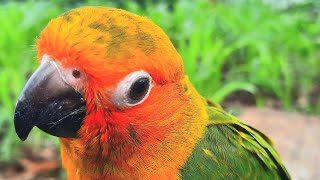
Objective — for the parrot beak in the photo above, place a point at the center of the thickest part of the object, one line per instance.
(49, 103)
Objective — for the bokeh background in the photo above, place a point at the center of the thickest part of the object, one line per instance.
(241, 53)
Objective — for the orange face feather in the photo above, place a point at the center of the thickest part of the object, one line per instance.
(107, 44)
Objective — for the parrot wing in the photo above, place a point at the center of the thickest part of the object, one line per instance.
(230, 149)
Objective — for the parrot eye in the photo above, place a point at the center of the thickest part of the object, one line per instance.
(138, 89)
(133, 89)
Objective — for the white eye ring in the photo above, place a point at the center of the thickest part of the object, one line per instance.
(132, 90)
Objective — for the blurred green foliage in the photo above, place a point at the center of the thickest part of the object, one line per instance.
(228, 47)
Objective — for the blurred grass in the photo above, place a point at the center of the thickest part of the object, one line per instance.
(228, 47)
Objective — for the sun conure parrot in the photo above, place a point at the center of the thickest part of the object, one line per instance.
(112, 86)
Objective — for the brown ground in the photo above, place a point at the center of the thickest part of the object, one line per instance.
(296, 137)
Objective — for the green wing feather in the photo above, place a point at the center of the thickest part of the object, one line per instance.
(230, 149)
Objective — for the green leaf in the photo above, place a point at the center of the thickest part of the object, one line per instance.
(231, 87)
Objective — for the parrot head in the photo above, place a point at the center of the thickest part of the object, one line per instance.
(110, 82)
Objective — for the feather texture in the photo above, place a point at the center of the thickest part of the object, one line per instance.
(230, 149)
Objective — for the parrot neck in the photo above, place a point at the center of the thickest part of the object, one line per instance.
(152, 151)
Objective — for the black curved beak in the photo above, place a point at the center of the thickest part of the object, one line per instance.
(49, 103)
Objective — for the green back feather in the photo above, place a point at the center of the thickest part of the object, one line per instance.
(230, 149)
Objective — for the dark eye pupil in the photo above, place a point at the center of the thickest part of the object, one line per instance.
(76, 73)
(139, 89)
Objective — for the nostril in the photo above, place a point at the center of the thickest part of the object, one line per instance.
(76, 73)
